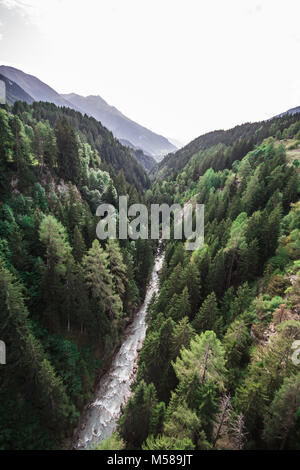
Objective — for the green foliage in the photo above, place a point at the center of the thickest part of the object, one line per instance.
(62, 294)
(226, 315)
(282, 420)
(112, 443)
(138, 418)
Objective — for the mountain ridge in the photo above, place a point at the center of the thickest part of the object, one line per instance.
(33, 86)
(93, 105)
(121, 126)
(14, 92)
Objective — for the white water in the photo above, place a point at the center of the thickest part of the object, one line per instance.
(101, 416)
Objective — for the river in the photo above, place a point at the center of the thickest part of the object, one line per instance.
(100, 418)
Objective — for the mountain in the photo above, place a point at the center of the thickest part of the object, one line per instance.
(52, 179)
(14, 92)
(34, 87)
(146, 161)
(176, 142)
(126, 143)
(121, 126)
(290, 111)
(113, 154)
(143, 158)
(231, 143)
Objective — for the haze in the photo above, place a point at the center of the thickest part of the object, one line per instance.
(180, 68)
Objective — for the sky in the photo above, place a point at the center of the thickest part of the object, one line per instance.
(179, 67)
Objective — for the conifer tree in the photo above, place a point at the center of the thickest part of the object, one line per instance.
(136, 421)
(100, 281)
(69, 165)
(79, 247)
(283, 418)
(179, 306)
(181, 337)
(208, 317)
(117, 266)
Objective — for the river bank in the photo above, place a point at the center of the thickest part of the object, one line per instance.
(100, 417)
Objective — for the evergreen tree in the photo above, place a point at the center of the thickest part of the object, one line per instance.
(282, 421)
(136, 421)
(179, 306)
(69, 166)
(79, 247)
(117, 266)
(100, 281)
(208, 317)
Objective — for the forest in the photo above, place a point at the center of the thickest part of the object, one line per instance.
(65, 298)
(215, 370)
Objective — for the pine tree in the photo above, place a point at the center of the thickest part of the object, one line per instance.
(117, 266)
(179, 306)
(208, 317)
(100, 281)
(236, 342)
(183, 423)
(181, 337)
(54, 238)
(205, 358)
(53, 235)
(201, 373)
(40, 384)
(136, 421)
(6, 138)
(283, 418)
(69, 165)
(155, 359)
(191, 279)
(21, 148)
(266, 373)
(79, 247)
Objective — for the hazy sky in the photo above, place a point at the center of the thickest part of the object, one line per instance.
(179, 67)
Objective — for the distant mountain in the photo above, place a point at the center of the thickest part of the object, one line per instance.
(143, 158)
(14, 92)
(290, 111)
(121, 126)
(130, 144)
(240, 139)
(176, 142)
(34, 87)
(146, 161)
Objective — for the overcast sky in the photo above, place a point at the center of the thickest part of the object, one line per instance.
(179, 67)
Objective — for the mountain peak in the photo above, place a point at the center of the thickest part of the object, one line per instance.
(93, 105)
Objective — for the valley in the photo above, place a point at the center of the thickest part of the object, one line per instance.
(200, 343)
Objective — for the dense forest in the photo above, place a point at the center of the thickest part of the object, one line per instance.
(65, 298)
(216, 369)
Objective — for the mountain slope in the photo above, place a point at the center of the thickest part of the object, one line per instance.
(233, 143)
(58, 332)
(113, 155)
(121, 126)
(146, 161)
(37, 89)
(291, 111)
(236, 297)
(14, 92)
